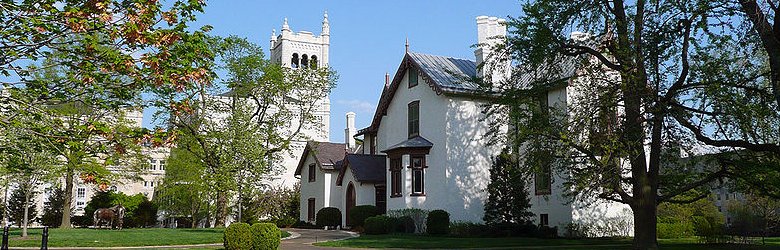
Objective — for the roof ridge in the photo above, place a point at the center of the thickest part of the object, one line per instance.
(443, 56)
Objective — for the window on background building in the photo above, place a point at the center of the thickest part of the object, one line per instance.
(113, 188)
(312, 172)
(146, 184)
(413, 75)
(543, 180)
(414, 119)
(81, 192)
(395, 177)
(418, 174)
(79, 204)
(294, 61)
(544, 220)
(162, 165)
(310, 210)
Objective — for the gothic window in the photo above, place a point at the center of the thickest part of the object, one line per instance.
(81, 192)
(413, 77)
(312, 173)
(418, 175)
(313, 62)
(414, 119)
(294, 63)
(395, 177)
(305, 61)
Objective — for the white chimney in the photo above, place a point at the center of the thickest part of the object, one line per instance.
(491, 31)
(350, 131)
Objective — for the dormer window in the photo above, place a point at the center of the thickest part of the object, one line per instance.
(414, 119)
(312, 173)
(413, 77)
(294, 63)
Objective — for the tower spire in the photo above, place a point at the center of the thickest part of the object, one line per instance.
(325, 24)
(285, 26)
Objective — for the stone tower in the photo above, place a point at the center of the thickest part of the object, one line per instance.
(302, 49)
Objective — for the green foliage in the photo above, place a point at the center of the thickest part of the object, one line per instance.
(675, 230)
(358, 214)
(469, 229)
(145, 215)
(265, 236)
(405, 224)
(380, 224)
(677, 220)
(508, 200)
(139, 211)
(328, 216)
(184, 191)
(16, 206)
(52, 208)
(710, 229)
(438, 222)
(238, 236)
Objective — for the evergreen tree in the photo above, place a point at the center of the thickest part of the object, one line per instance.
(52, 208)
(508, 200)
(16, 207)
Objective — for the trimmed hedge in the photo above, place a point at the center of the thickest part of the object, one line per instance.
(329, 216)
(380, 225)
(237, 236)
(438, 222)
(358, 214)
(266, 236)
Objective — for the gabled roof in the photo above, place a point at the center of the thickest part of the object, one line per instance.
(365, 168)
(327, 155)
(445, 75)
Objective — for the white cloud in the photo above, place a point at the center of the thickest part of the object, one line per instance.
(359, 106)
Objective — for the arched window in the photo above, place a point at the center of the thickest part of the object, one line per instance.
(294, 63)
(305, 61)
(113, 188)
(313, 62)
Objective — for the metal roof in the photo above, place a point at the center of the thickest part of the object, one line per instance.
(448, 73)
(414, 142)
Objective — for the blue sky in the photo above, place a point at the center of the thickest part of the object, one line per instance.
(367, 38)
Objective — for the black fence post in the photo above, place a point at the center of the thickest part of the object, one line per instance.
(5, 239)
(45, 239)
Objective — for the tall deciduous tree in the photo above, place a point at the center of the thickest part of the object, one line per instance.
(645, 76)
(241, 126)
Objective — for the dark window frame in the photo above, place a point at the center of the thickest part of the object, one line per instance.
(415, 170)
(543, 180)
(396, 189)
(311, 206)
(544, 220)
(413, 119)
(414, 77)
(312, 172)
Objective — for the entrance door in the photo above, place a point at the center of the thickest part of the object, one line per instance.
(350, 201)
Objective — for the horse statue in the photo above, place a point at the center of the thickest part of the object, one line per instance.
(109, 216)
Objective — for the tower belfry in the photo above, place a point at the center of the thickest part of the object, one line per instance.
(301, 49)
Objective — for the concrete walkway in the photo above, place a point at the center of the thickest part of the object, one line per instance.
(307, 237)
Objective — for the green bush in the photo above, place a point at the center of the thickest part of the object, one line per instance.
(238, 236)
(417, 215)
(265, 236)
(405, 224)
(674, 230)
(329, 216)
(438, 222)
(468, 229)
(379, 225)
(546, 232)
(358, 214)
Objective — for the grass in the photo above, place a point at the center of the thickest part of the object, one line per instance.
(112, 238)
(423, 241)
(285, 234)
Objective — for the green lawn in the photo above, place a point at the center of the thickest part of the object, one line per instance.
(124, 237)
(421, 241)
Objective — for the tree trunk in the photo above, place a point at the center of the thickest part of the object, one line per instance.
(26, 214)
(66, 204)
(5, 205)
(645, 235)
(221, 213)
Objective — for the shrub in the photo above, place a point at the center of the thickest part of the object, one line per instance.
(405, 224)
(304, 225)
(379, 224)
(358, 214)
(265, 236)
(468, 229)
(674, 230)
(546, 232)
(576, 231)
(417, 215)
(238, 236)
(329, 216)
(507, 229)
(438, 222)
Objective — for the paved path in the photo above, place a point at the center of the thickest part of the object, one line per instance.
(307, 237)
